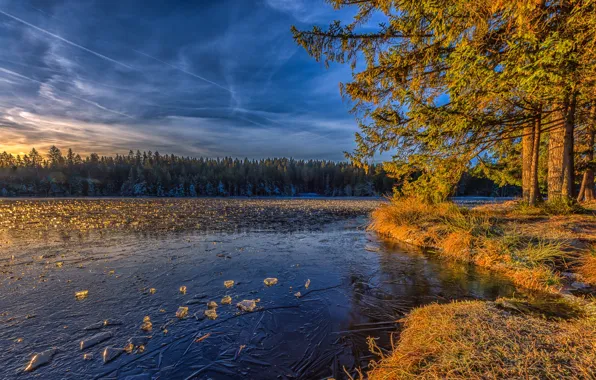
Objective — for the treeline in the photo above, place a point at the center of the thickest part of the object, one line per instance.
(152, 174)
(507, 86)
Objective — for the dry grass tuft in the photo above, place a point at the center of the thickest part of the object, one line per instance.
(477, 340)
(475, 235)
(587, 268)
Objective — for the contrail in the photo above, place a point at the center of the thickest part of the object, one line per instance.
(57, 89)
(184, 71)
(65, 40)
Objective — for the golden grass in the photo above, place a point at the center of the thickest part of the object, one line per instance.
(587, 268)
(477, 340)
(550, 337)
(485, 237)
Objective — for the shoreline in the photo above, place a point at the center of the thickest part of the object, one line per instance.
(466, 339)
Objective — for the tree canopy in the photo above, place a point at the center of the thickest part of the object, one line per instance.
(444, 84)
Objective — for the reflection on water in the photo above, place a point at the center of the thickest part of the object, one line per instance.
(359, 287)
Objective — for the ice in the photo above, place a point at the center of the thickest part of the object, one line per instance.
(211, 313)
(111, 353)
(229, 283)
(270, 281)
(182, 312)
(95, 339)
(147, 325)
(40, 359)
(247, 305)
(227, 300)
(81, 294)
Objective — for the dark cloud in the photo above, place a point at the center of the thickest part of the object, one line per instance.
(214, 78)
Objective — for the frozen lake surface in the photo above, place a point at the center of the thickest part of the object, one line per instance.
(360, 285)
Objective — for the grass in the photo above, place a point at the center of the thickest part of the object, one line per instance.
(479, 340)
(587, 268)
(546, 336)
(479, 235)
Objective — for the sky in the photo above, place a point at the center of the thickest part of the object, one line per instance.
(196, 78)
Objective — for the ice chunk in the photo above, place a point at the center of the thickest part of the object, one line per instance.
(140, 340)
(81, 294)
(152, 291)
(95, 339)
(211, 305)
(297, 294)
(95, 326)
(211, 313)
(112, 322)
(40, 359)
(247, 305)
(183, 289)
(147, 325)
(87, 356)
(182, 312)
(307, 283)
(227, 300)
(229, 283)
(129, 348)
(270, 281)
(111, 353)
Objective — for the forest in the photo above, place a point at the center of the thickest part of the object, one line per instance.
(508, 86)
(152, 174)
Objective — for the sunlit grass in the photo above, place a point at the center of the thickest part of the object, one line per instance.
(474, 235)
(477, 340)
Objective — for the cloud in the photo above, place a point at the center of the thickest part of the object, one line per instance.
(216, 79)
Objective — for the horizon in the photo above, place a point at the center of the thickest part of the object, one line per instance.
(209, 80)
(44, 155)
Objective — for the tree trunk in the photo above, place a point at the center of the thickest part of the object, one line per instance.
(527, 155)
(534, 196)
(560, 155)
(568, 159)
(530, 155)
(587, 192)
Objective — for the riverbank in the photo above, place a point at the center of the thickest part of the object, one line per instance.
(548, 256)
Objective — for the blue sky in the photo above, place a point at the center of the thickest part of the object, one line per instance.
(201, 78)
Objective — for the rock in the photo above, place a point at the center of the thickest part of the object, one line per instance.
(111, 353)
(211, 305)
(40, 359)
(227, 300)
(579, 285)
(270, 281)
(247, 305)
(95, 339)
(569, 275)
(211, 314)
(229, 283)
(182, 312)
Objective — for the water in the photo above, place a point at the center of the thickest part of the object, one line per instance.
(359, 287)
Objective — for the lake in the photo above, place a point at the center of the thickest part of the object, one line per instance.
(133, 256)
